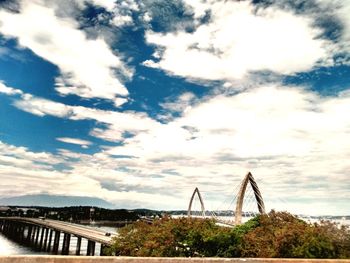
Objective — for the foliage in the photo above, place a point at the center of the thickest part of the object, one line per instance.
(283, 235)
(168, 237)
(183, 237)
(278, 234)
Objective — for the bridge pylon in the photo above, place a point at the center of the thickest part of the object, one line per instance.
(196, 191)
(240, 198)
(258, 197)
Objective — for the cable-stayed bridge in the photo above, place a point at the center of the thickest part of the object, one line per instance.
(248, 195)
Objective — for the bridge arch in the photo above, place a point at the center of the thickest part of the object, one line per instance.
(258, 197)
(196, 191)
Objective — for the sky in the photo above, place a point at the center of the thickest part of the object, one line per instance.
(139, 102)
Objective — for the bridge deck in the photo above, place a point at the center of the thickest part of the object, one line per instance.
(74, 229)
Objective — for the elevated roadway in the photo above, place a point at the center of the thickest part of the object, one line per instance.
(45, 235)
(89, 233)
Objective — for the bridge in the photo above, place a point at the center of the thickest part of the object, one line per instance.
(45, 235)
(239, 203)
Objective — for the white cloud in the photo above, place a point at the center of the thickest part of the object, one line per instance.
(343, 13)
(26, 172)
(8, 90)
(117, 123)
(121, 10)
(87, 66)
(239, 39)
(31, 178)
(118, 102)
(42, 107)
(339, 10)
(122, 20)
(82, 143)
(198, 7)
(182, 103)
(294, 141)
(286, 136)
(147, 17)
(18, 155)
(108, 4)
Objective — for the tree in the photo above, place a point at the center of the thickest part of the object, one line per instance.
(277, 234)
(183, 237)
(282, 235)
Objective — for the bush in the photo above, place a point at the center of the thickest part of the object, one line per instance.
(278, 234)
(283, 235)
(166, 237)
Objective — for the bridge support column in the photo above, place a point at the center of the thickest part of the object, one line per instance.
(90, 248)
(32, 238)
(44, 247)
(42, 238)
(37, 237)
(102, 250)
(10, 229)
(6, 227)
(66, 243)
(14, 231)
(18, 232)
(48, 248)
(56, 242)
(77, 250)
(29, 234)
(22, 231)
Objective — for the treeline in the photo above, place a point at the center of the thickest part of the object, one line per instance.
(73, 213)
(278, 234)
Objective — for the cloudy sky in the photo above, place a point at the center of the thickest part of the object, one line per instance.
(139, 102)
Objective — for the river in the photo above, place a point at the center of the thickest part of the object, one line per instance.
(8, 247)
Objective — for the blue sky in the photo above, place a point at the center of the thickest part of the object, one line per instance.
(139, 102)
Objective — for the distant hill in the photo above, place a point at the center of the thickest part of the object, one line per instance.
(54, 201)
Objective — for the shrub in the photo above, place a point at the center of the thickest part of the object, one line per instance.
(278, 234)
(282, 235)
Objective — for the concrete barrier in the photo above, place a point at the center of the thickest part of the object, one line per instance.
(75, 259)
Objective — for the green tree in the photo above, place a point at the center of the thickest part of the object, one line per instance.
(277, 234)
(172, 237)
(282, 235)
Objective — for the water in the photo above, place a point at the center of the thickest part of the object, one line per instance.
(9, 247)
